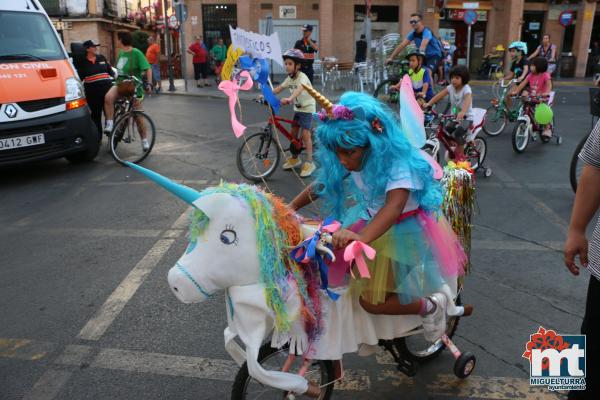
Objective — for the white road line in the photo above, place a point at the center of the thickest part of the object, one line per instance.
(166, 364)
(141, 233)
(49, 385)
(74, 355)
(183, 220)
(95, 327)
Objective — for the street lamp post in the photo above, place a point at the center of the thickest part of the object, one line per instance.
(168, 43)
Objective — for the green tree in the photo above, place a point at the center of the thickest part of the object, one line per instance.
(140, 40)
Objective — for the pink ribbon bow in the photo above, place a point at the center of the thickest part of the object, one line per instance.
(231, 88)
(354, 252)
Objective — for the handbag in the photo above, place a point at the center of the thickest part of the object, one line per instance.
(126, 87)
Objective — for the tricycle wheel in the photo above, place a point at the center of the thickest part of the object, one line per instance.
(464, 365)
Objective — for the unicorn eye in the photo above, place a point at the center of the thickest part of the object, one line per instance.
(228, 236)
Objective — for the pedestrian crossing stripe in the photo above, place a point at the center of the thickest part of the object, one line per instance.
(355, 380)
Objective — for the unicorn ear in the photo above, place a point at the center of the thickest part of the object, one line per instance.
(359, 113)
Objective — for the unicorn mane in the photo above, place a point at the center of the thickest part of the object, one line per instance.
(277, 229)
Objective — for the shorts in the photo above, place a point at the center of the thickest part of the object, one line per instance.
(303, 119)
(200, 70)
(551, 68)
(432, 62)
(156, 72)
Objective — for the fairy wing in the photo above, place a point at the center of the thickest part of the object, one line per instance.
(411, 116)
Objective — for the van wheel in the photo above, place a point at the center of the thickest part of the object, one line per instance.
(85, 156)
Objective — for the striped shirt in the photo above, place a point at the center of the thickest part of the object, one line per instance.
(590, 154)
(95, 72)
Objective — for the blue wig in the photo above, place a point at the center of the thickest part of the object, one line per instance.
(383, 150)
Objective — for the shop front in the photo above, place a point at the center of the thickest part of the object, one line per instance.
(454, 29)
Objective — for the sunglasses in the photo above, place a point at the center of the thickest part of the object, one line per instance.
(414, 21)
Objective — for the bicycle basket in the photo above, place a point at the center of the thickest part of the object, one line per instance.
(126, 88)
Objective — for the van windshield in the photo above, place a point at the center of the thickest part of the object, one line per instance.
(26, 36)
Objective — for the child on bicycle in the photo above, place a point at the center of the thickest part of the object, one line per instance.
(420, 76)
(304, 107)
(397, 211)
(461, 101)
(519, 68)
(537, 83)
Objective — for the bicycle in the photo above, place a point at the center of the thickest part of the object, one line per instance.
(498, 115)
(126, 136)
(527, 127)
(475, 149)
(386, 93)
(262, 148)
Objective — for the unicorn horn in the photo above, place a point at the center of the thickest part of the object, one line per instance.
(185, 193)
(322, 100)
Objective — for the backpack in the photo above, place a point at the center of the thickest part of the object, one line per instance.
(434, 40)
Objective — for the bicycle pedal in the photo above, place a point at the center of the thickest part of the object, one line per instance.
(407, 367)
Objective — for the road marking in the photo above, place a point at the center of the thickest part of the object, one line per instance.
(184, 219)
(166, 364)
(24, 349)
(141, 233)
(49, 385)
(488, 388)
(95, 327)
(74, 355)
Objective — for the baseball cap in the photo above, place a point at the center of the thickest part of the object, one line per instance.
(90, 43)
(307, 27)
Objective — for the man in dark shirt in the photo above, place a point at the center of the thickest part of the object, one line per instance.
(309, 47)
(97, 76)
(361, 50)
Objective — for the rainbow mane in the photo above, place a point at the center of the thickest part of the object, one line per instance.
(277, 229)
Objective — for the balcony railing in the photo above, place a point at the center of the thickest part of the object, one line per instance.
(54, 8)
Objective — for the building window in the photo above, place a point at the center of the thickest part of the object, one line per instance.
(378, 13)
(315, 6)
(266, 6)
(216, 19)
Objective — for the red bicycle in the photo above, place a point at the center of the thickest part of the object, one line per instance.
(259, 155)
(475, 148)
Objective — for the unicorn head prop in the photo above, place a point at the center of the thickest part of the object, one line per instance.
(237, 241)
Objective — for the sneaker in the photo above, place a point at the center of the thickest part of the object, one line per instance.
(307, 169)
(291, 163)
(434, 324)
(145, 144)
(108, 126)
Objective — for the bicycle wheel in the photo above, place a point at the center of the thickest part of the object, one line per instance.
(390, 97)
(258, 157)
(577, 164)
(475, 152)
(416, 348)
(245, 387)
(495, 121)
(520, 137)
(126, 142)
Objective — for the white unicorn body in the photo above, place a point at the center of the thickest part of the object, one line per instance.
(225, 256)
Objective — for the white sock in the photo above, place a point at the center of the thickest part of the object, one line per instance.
(108, 123)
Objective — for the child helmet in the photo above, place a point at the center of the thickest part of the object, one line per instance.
(521, 46)
(294, 55)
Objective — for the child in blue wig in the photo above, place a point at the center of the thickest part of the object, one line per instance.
(391, 184)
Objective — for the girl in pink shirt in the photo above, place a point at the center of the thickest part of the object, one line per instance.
(539, 83)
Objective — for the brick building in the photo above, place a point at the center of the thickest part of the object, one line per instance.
(339, 23)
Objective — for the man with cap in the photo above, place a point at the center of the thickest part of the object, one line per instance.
(97, 76)
(308, 47)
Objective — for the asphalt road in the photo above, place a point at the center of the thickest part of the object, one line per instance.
(85, 311)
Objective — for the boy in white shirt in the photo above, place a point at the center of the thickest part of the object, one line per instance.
(304, 107)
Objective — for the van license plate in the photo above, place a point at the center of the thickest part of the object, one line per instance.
(21, 141)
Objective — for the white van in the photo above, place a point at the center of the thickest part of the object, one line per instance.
(43, 111)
